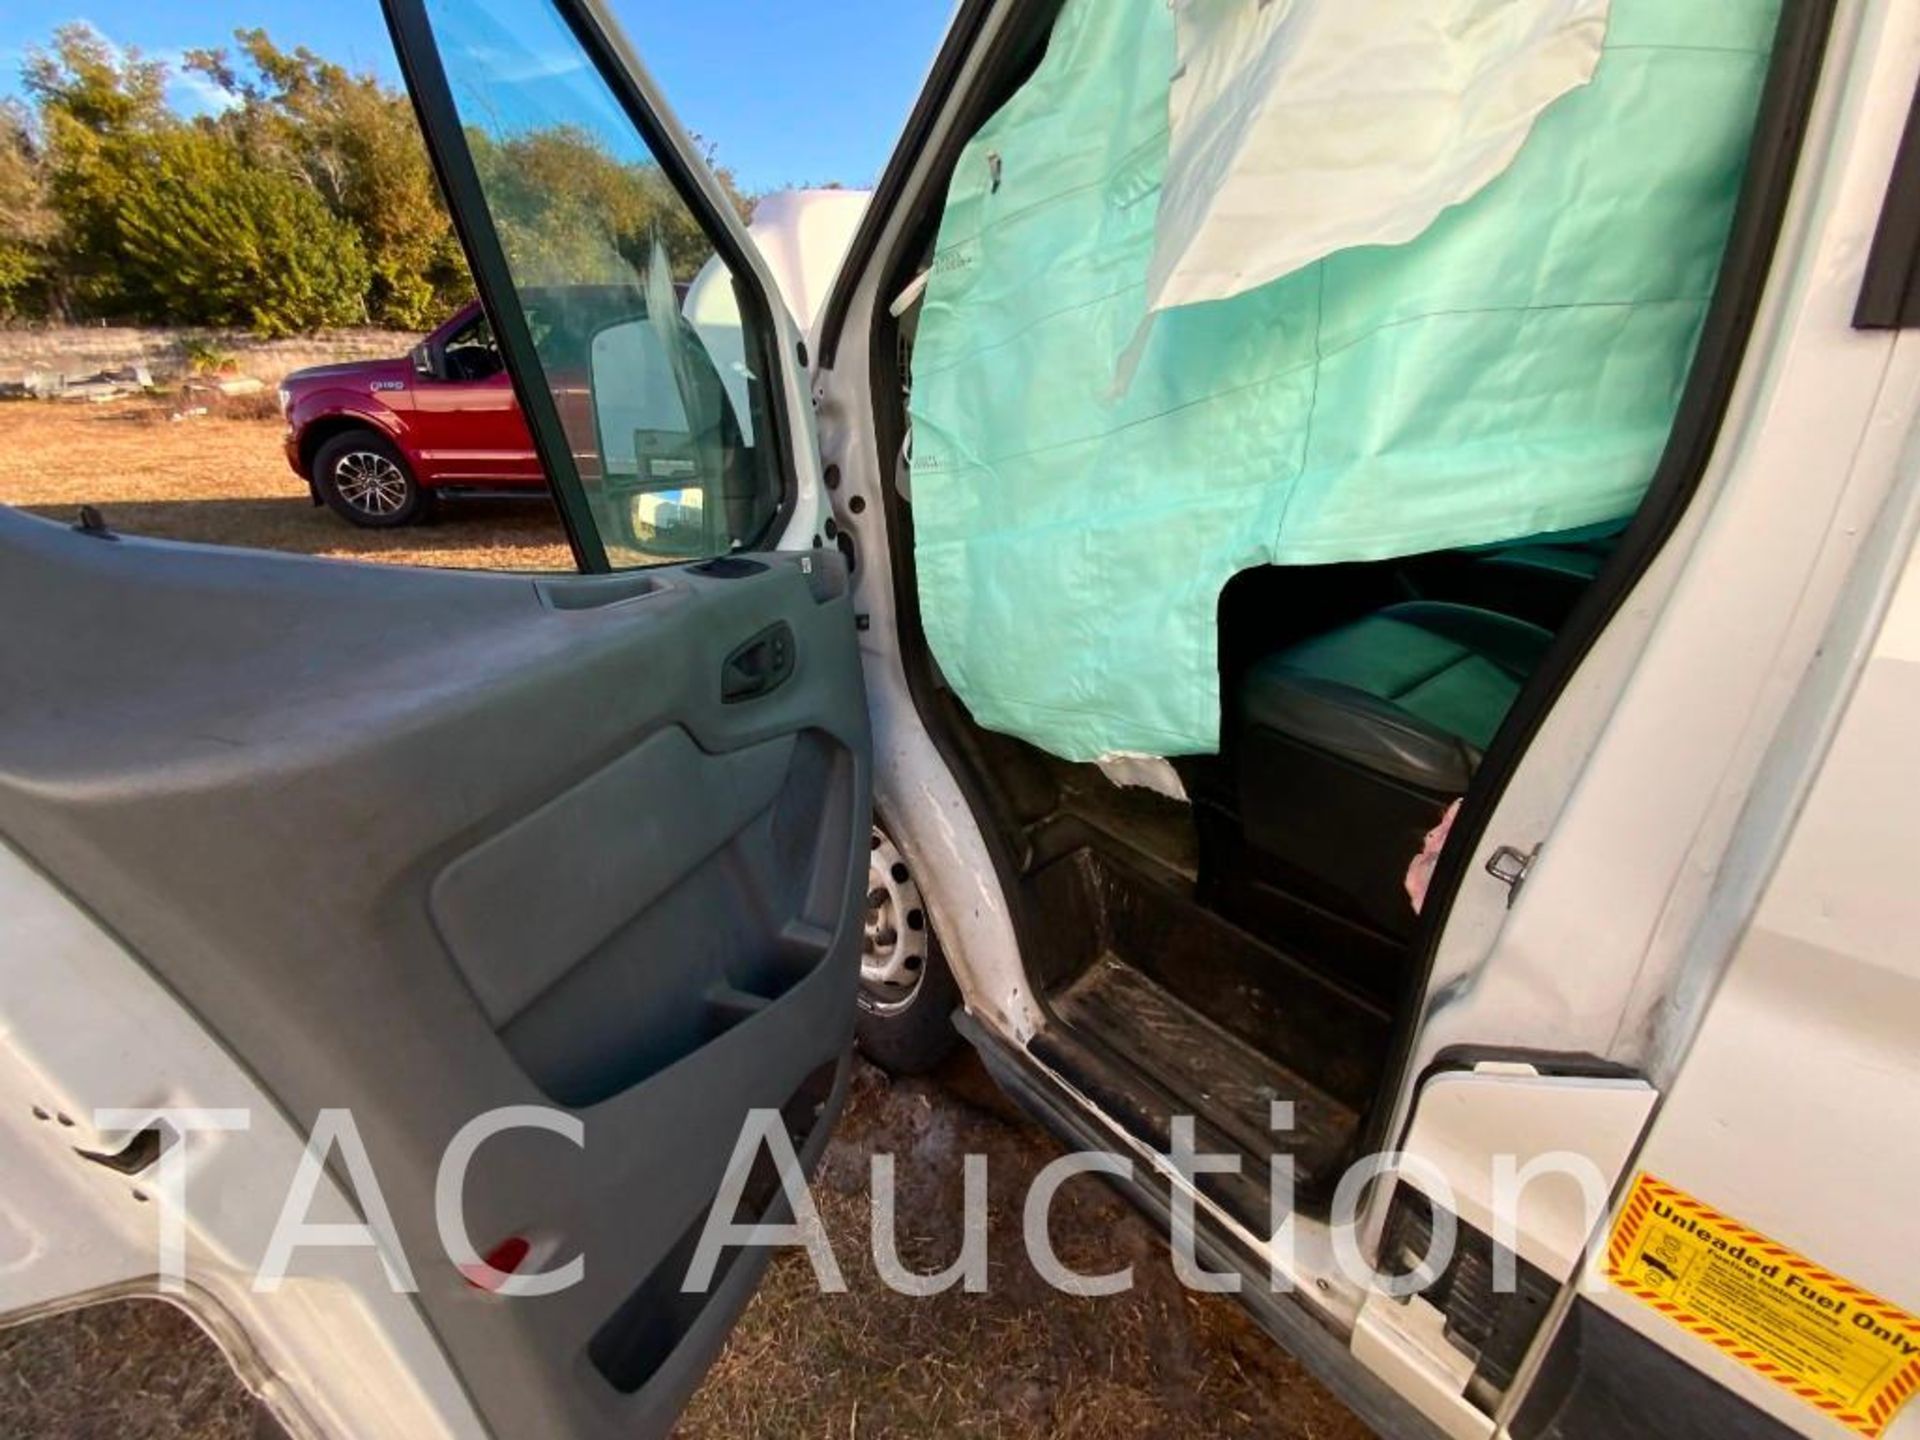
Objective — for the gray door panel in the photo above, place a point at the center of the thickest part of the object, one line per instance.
(422, 844)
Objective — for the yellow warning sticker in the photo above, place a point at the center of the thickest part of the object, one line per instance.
(1839, 1348)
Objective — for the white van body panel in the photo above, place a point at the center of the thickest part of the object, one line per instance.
(804, 234)
(1794, 1109)
(335, 1350)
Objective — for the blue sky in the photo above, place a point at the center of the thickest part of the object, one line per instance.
(789, 92)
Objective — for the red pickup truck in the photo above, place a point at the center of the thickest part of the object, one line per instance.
(375, 439)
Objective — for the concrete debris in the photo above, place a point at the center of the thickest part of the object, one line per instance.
(98, 387)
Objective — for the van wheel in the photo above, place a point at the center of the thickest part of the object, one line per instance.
(365, 480)
(907, 992)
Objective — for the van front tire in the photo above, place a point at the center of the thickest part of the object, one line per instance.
(907, 991)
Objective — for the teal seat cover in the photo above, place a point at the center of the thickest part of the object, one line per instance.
(1513, 370)
(1418, 665)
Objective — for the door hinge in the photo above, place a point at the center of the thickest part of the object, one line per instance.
(1510, 865)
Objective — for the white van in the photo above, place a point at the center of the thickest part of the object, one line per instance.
(1573, 829)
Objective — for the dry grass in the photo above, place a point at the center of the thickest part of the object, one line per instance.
(221, 478)
(138, 1370)
(1021, 1360)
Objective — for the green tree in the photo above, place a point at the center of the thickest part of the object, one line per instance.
(28, 226)
(177, 221)
(309, 201)
(356, 144)
(96, 108)
(570, 211)
(208, 238)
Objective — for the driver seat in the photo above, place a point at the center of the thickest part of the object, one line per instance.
(1351, 744)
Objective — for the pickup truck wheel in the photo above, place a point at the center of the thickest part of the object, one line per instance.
(907, 992)
(363, 479)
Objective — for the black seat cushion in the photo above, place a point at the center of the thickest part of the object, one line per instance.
(1349, 746)
(1414, 692)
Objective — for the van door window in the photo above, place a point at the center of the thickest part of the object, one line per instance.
(657, 402)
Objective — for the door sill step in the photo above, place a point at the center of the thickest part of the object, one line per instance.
(1143, 1057)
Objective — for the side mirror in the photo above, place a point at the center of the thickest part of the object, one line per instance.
(656, 416)
(423, 362)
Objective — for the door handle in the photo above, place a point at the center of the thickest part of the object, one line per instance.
(759, 666)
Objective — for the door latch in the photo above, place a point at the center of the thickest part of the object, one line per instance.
(1510, 865)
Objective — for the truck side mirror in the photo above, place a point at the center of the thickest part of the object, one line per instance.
(423, 362)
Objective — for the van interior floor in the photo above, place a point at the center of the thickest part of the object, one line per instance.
(1160, 1007)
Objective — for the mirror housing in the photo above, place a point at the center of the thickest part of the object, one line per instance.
(425, 362)
(666, 435)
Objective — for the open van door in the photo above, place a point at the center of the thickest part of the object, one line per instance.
(422, 846)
